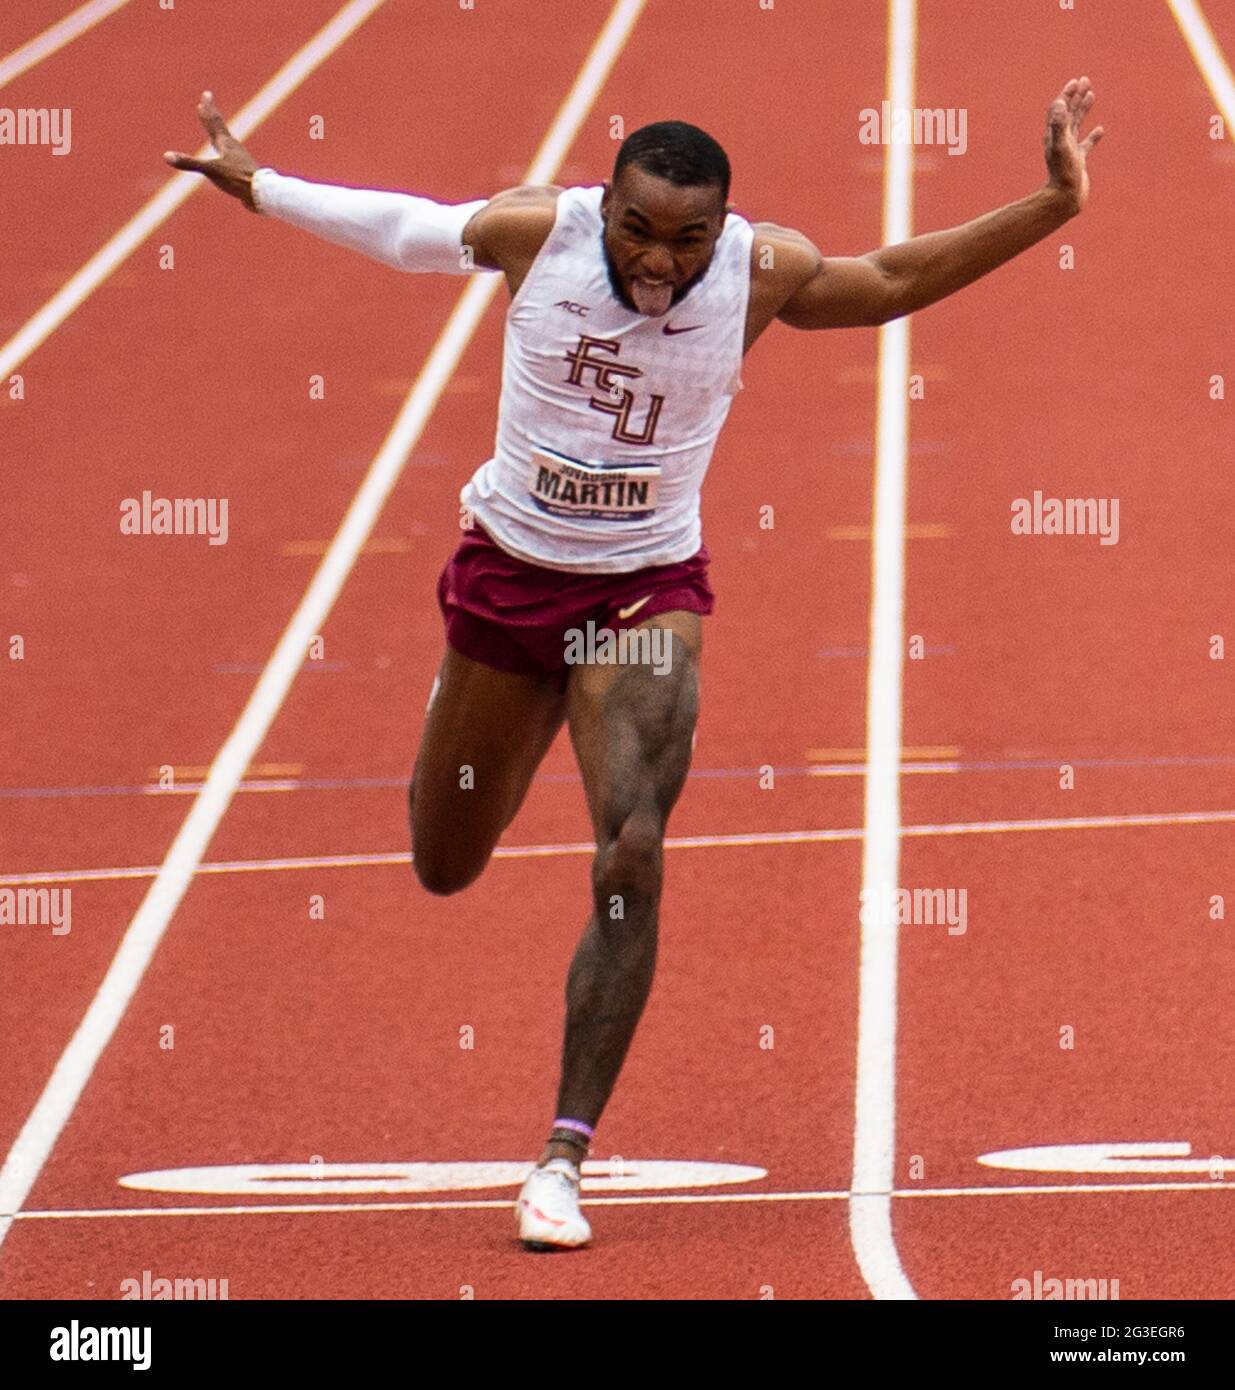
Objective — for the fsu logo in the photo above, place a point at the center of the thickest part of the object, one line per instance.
(615, 399)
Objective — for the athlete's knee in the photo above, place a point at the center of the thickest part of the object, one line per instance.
(627, 868)
(442, 874)
(443, 863)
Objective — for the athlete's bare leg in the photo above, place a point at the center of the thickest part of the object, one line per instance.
(632, 730)
(484, 737)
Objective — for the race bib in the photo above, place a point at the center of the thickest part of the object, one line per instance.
(564, 486)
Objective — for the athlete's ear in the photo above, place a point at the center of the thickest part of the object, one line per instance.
(604, 199)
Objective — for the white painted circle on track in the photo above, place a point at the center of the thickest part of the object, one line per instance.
(1105, 1158)
(342, 1179)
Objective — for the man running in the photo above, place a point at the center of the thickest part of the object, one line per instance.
(577, 592)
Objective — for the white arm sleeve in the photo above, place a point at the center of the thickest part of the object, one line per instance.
(399, 229)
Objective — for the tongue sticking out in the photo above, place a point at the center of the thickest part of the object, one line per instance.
(652, 300)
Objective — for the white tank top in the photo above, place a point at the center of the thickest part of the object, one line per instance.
(608, 419)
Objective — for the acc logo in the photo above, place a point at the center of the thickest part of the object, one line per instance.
(571, 307)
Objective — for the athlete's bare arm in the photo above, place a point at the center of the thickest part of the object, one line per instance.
(793, 282)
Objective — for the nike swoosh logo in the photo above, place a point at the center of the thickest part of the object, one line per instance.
(540, 1215)
(624, 613)
(671, 332)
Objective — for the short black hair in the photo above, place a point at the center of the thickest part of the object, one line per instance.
(681, 153)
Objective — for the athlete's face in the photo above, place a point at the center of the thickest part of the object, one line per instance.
(659, 237)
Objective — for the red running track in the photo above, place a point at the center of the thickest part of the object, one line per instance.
(339, 1039)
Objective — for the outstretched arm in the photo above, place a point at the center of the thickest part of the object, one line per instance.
(232, 168)
(401, 230)
(849, 292)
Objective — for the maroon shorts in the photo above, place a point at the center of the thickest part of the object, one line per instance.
(514, 616)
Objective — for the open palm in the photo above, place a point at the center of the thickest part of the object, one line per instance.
(1066, 153)
(232, 168)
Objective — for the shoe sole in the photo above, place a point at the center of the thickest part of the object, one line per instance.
(535, 1243)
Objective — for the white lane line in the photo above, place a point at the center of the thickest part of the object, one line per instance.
(53, 39)
(663, 1199)
(579, 847)
(45, 1123)
(874, 1117)
(76, 290)
(1208, 56)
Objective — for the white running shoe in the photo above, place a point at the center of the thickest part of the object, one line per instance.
(547, 1213)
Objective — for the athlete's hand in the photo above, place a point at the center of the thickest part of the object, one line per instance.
(232, 169)
(1066, 157)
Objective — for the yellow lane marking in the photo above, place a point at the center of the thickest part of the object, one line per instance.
(914, 531)
(858, 755)
(375, 545)
(192, 772)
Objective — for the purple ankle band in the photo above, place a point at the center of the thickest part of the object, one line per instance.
(577, 1125)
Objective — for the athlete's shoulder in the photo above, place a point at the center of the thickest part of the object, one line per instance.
(782, 259)
(527, 195)
(513, 225)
